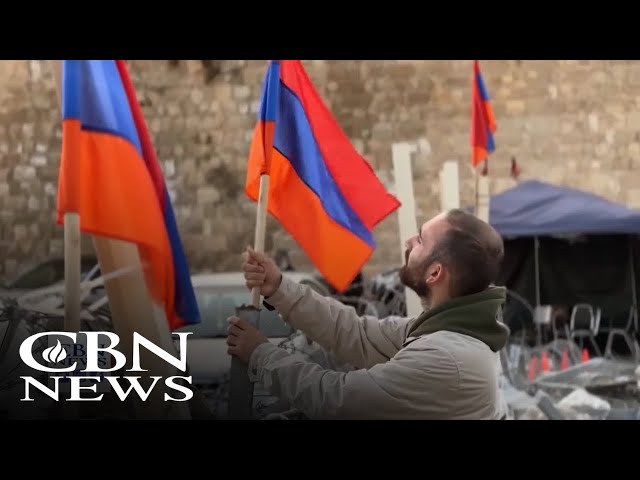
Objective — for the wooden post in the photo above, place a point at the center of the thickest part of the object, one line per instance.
(408, 225)
(72, 252)
(449, 186)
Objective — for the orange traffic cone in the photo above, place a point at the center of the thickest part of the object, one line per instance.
(585, 355)
(564, 361)
(545, 362)
(533, 367)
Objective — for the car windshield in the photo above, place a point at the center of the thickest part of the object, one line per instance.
(218, 304)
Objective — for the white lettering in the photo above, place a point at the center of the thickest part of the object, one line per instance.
(135, 384)
(76, 387)
(93, 348)
(90, 361)
(188, 393)
(139, 340)
(54, 394)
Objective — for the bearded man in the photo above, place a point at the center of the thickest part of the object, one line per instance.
(442, 364)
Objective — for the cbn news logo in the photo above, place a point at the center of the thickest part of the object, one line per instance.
(86, 360)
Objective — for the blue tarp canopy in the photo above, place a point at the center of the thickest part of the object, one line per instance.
(535, 208)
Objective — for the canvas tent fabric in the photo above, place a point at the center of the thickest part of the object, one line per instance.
(594, 269)
(535, 208)
(588, 247)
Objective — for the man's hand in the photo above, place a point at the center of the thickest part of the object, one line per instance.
(243, 338)
(261, 271)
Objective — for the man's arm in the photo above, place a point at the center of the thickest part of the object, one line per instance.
(360, 341)
(414, 385)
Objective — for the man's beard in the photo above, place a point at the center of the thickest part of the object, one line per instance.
(413, 277)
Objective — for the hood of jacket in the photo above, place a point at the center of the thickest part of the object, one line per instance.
(478, 315)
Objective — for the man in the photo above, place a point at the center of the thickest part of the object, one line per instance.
(441, 365)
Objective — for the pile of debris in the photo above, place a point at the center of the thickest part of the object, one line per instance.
(591, 389)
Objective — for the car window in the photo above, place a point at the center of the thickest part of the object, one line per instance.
(216, 305)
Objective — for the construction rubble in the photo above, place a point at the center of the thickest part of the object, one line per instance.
(587, 389)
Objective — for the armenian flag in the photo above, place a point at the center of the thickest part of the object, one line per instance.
(110, 176)
(483, 124)
(321, 190)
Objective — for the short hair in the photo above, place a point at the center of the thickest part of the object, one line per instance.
(472, 251)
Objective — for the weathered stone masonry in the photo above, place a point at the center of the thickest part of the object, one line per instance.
(569, 122)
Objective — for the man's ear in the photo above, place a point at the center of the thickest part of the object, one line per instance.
(434, 273)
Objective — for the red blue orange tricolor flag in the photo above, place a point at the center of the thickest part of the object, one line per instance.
(321, 190)
(483, 124)
(110, 176)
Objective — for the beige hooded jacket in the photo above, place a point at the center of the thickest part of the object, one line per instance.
(442, 374)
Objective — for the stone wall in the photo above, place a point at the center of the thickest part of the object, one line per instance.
(573, 123)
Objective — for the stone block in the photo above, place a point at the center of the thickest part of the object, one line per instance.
(633, 120)
(515, 106)
(38, 160)
(19, 233)
(241, 92)
(33, 203)
(24, 172)
(208, 195)
(633, 198)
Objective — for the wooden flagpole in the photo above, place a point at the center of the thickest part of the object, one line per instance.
(72, 252)
(261, 228)
(475, 182)
(133, 311)
(483, 190)
(241, 389)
